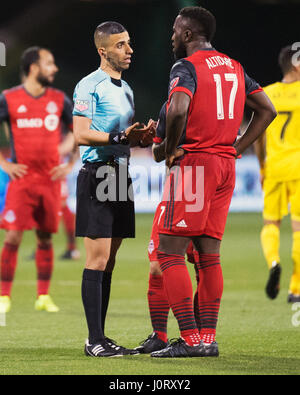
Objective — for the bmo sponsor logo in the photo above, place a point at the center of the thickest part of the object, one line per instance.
(50, 122)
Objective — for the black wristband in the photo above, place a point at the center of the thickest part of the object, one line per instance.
(118, 138)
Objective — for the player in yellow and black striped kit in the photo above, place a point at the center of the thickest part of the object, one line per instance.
(278, 152)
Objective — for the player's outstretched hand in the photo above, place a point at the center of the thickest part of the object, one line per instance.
(14, 170)
(60, 172)
(171, 158)
(137, 131)
(147, 138)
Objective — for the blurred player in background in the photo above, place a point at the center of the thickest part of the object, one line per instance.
(157, 299)
(66, 148)
(207, 94)
(103, 127)
(35, 113)
(278, 152)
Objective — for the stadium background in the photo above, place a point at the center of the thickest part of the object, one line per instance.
(251, 31)
(256, 335)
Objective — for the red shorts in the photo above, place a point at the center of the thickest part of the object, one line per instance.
(192, 254)
(197, 196)
(32, 205)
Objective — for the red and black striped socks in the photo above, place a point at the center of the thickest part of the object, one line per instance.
(8, 267)
(44, 265)
(210, 290)
(179, 290)
(158, 306)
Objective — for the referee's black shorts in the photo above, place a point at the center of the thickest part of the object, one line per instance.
(104, 205)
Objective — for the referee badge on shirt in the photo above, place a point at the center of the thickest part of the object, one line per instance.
(81, 105)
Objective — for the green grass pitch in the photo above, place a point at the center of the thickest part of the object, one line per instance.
(255, 335)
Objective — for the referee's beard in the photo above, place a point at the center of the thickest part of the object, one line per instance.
(115, 64)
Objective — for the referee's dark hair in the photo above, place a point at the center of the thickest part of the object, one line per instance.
(105, 29)
(285, 59)
(205, 20)
(29, 56)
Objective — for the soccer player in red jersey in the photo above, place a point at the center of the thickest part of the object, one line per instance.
(207, 94)
(157, 299)
(35, 113)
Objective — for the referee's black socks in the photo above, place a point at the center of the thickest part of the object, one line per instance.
(91, 292)
(106, 285)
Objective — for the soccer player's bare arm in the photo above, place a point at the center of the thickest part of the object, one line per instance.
(263, 114)
(85, 136)
(89, 137)
(67, 145)
(260, 150)
(70, 149)
(175, 123)
(159, 151)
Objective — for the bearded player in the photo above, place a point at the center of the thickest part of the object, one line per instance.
(35, 113)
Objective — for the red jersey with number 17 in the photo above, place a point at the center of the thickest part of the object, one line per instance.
(36, 126)
(217, 86)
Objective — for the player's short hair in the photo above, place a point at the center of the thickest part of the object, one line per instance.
(204, 19)
(105, 29)
(29, 56)
(285, 59)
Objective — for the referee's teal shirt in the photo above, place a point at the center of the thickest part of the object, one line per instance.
(109, 103)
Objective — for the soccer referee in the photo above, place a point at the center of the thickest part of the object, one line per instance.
(104, 130)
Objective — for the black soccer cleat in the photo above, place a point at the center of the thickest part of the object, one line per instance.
(152, 343)
(292, 298)
(273, 284)
(179, 349)
(120, 349)
(101, 349)
(211, 350)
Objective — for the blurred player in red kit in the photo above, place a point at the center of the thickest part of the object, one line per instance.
(207, 94)
(35, 113)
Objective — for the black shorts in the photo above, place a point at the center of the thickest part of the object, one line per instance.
(104, 204)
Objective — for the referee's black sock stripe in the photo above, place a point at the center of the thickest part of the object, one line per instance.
(91, 291)
(106, 286)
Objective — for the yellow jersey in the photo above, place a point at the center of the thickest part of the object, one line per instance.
(283, 134)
